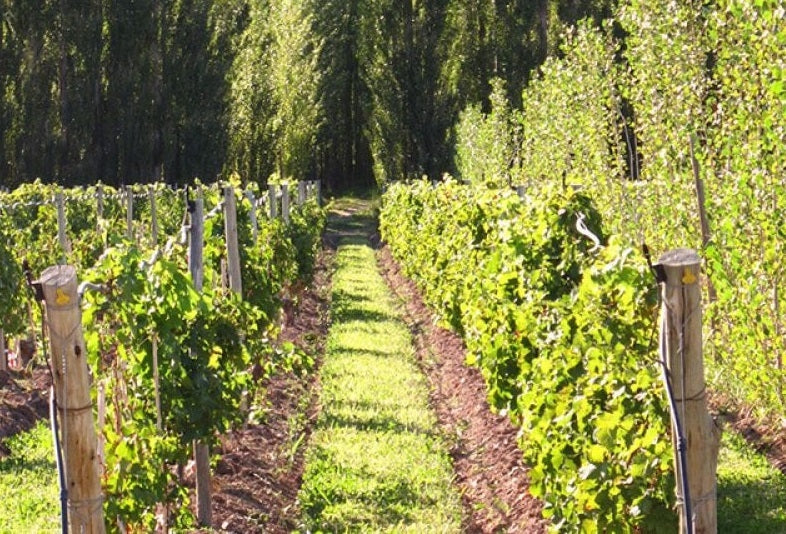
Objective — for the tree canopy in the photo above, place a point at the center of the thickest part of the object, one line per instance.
(345, 90)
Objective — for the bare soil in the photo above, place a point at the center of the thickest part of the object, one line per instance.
(24, 399)
(257, 479)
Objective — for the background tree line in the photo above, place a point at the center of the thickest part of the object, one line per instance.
(349, 90)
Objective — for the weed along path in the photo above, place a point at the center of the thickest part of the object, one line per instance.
(377, 460)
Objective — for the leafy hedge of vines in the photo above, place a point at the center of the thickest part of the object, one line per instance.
(211, 345)
(711, 71)
(562, 333)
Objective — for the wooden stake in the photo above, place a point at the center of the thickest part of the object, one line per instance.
(61, 225)
(129, 213)
(253, 215)
(101, 422)
(3, 355)
(72, 387)
(230, 234)
(201, 450)
(681, 343)
(285, 202)
(272, 200)
(100, 201)
(151, 194)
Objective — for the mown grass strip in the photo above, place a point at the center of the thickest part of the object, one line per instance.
(28, 484)
(375, 462)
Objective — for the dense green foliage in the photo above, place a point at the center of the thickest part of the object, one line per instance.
(208, 344)
(635, 112)
(170, 90)
(560, 329)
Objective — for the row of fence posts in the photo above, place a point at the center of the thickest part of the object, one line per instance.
(277, 198)
(58, 289)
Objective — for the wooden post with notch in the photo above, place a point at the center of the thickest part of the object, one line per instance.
(681, 350)
(72, 390)
(201, 450)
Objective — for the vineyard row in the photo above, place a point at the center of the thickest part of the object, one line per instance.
(177, 339)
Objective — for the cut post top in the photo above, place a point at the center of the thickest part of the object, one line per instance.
(58, 276)
(680, 257)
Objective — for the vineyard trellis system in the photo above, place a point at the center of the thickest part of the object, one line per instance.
(560, 318)
(172, 335)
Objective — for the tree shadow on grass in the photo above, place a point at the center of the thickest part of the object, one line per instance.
(22, 465)
(364, 421)
(745, 507)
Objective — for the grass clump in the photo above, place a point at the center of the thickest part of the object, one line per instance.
(375, 462)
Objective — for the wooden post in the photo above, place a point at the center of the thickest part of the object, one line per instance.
(61, 224)
(129, 213)
(100, 201)
(230, 234)
(201, 451)
(301, 193)
(72, 391)
(100, 452)
(681, 350)
(271, 197)
(253, 216)
(3, 356)
(318, 186)
(151, 194)
(285, 203)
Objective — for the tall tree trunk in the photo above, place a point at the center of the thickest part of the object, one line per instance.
(157, 60)
(98, 93)
(62, 81)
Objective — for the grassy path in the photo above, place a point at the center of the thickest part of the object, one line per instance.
(375, 462)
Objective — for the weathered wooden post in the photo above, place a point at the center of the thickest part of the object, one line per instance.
(318, 186)
(151, 195)
(100, 201)
(285, 203)
(694, 432)
(62, 236)
(301, 193)
(201, 450)
(129, 213)
(72, 391)
(230, 234)
(272, 201)
(3, 357)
